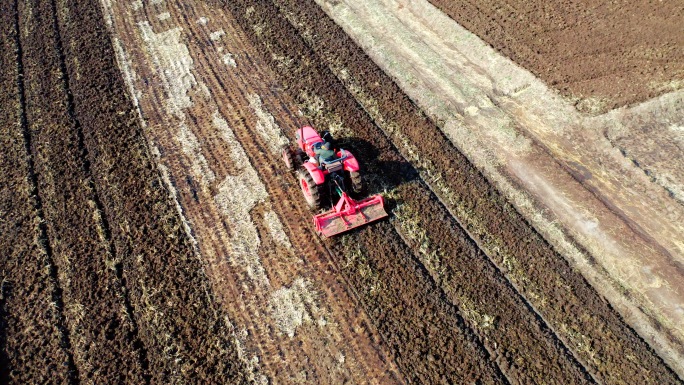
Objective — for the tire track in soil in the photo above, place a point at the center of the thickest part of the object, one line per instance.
(96, 309)
(575, 310)
(236, 115)
(168, 290)
(32, 307)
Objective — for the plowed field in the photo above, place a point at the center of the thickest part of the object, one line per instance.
(151, 233)
(601, 55)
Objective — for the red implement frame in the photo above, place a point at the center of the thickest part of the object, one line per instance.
(349, 214)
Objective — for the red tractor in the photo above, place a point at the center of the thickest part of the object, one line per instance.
(332, 177)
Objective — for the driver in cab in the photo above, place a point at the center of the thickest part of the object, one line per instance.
(324, 153)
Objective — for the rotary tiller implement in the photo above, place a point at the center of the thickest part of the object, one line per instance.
(349, 214)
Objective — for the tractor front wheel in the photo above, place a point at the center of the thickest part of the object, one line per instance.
(312, 192)
(288, 158)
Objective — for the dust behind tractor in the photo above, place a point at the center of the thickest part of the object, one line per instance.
(328, 177)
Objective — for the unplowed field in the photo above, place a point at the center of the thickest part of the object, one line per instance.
(153, 235)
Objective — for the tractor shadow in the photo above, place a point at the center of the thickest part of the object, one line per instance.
(379, 174)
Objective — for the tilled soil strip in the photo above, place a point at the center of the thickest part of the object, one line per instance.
(187, 339)
(596, 334)
(34, 344)
(103, 334)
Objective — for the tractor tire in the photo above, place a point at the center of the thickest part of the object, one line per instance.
(312, 192)
(299, 157)
(356, 182)
(288, 158)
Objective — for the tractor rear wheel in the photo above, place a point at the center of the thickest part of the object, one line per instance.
(312, 192)
(356, 182)
(288, 157)
(299, 157)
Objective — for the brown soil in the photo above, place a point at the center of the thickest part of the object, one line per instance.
(168, 290)
(601, 55)
(103, 335)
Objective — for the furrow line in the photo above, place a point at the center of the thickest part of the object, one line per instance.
(197, 115)
(213, 243)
